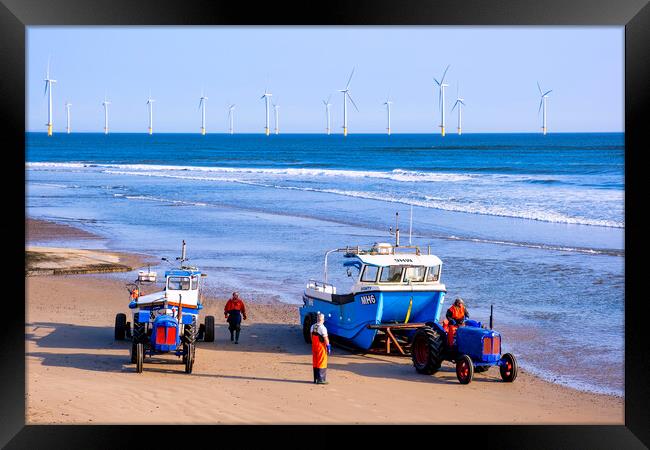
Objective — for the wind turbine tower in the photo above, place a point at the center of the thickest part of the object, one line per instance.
(267, 98)
(460, 102)
(542, 102)
(150, 107)
(441, 100)
(67, 116)
(346, 95)
(48, 89)
(327, 113)
(231, 116)
(202, 102)
(275, 110)
(105, 104)
(388, 103)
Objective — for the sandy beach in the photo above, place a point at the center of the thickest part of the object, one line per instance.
(77, 373)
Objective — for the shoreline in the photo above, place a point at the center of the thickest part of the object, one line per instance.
(75, 370)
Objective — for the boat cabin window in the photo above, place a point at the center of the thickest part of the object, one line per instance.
(433, 274)
(195, 282)
(391, 274)
(178, 283)
(369, 274)
(415, 274)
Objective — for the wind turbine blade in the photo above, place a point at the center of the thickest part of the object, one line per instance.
(454, 107)
(45, 91)
(548, 92)
(437, 82)
(540, 106)
(328, 98)
(442, 80)
(350, 79)
(540, 89)
(355, 105)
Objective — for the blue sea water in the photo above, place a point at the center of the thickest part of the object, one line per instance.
(531, 224)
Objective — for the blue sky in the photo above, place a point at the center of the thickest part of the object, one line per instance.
(497, 68)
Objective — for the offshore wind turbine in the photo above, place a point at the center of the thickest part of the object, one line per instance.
(48, 89)
(275, 110)
(267, 97)
(542, 101)
(202, 102)
(231, 116)
(327, 113)
(441, 100)
(346, 95)
(150, 107)
(67, 116)
(105, 104)
(460, 102)
(388, 103)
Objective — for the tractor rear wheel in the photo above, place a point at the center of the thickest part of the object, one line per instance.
(464, 369)
(139, 357)
(208, 335)
(508, 368)
(189, 358)
(120, 326)
(306, 327)
(426, 350)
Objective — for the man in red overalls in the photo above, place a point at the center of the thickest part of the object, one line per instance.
(456, 315)
(320, 348)
(233, 311)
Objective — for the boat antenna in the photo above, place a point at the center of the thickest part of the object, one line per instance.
(491, 315)
(411, 225)
(396, 232)
(182, 259)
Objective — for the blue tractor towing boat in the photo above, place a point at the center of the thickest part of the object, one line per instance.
(166, 322)
(396, 300)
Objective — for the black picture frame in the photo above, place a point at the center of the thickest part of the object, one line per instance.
(634, 15)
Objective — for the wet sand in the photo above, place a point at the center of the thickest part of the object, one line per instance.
(77, 373)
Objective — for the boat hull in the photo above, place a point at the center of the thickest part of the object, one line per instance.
(350, 320)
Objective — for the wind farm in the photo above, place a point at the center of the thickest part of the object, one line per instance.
(441, 85)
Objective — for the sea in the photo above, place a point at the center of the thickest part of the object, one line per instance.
(530, 225)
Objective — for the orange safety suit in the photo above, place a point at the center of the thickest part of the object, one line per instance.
(135, 293)
(458, 313)
(235, 304)
(318, 351)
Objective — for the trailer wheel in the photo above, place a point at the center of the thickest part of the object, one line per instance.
(128, 330)
(201, 333)
(306, 327)
(426, 350)
(189, 359)
(139, 357)
(509, 368)
(120, 326)
(208, 335)
(464, 369)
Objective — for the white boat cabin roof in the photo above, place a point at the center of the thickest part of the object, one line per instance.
(399, 259)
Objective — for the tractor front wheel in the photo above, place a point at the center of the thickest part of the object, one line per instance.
(426, 350)
(208, 335)
(139, 357)
(508, 367)
(189, 358)
(120, 326)
(464, 369)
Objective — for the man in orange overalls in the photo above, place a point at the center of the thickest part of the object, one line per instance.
(320, 348)
(456, 315)
(233, 311)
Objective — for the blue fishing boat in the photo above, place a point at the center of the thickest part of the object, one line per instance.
(393, 286)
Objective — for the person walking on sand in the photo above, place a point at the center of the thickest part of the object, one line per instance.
(320, 348)
(234, 311)
(456, 315)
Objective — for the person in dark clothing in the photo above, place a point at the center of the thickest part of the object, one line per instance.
(234, 311)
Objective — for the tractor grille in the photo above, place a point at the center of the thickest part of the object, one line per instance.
(491, 345)
(166, 335)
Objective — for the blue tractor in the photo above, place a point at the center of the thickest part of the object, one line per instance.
(473, 348)
(166, 321)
